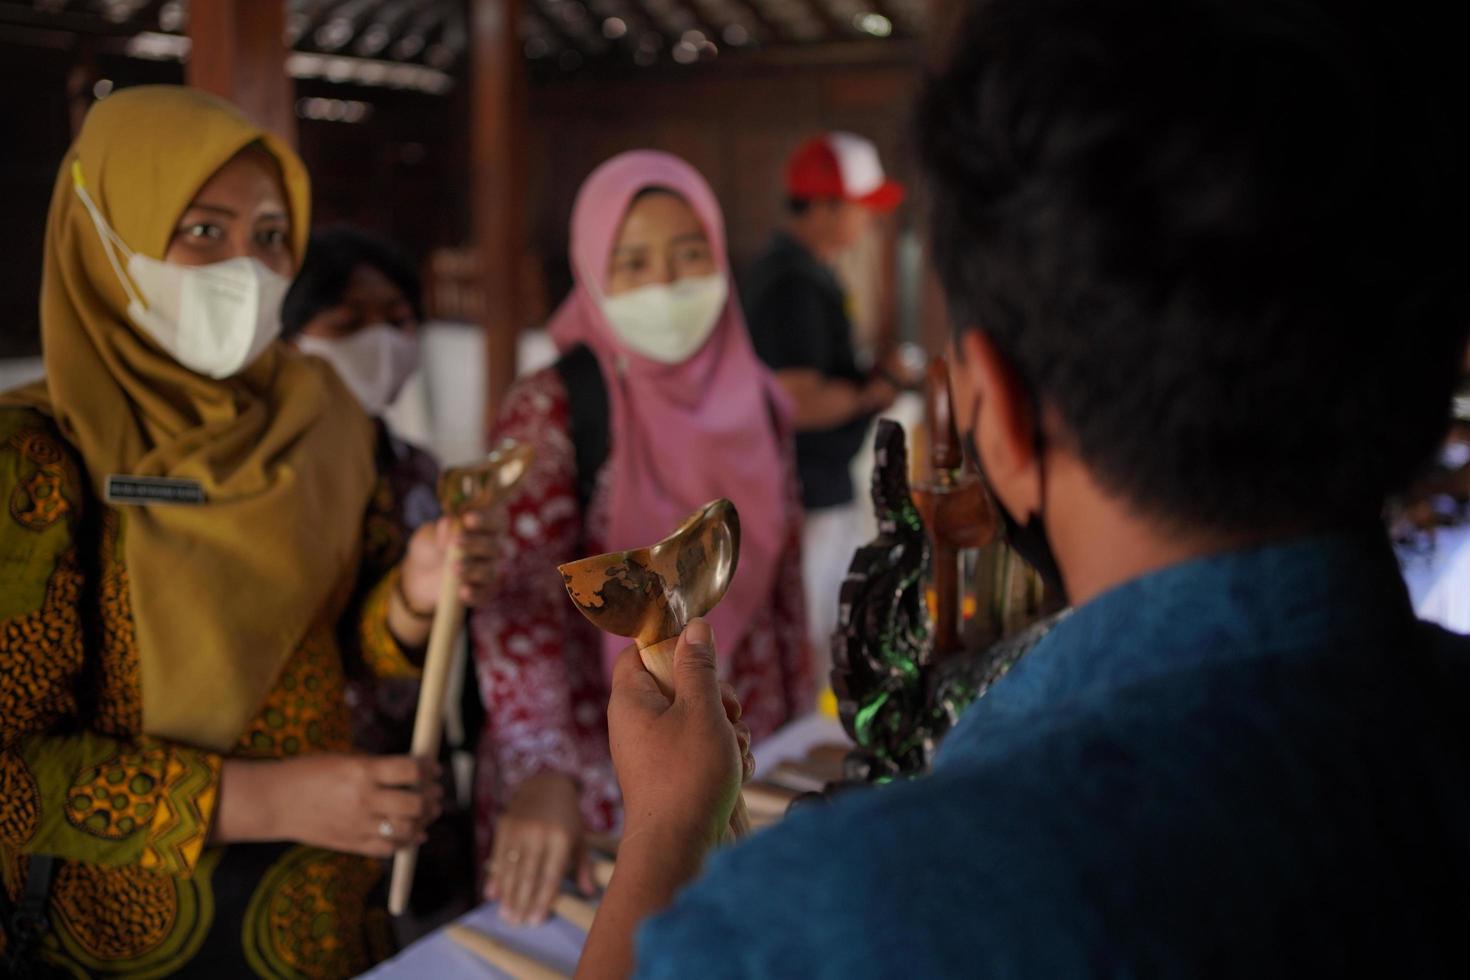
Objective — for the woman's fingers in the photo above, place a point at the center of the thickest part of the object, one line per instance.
(495, 867)
(478, 568)
(525, 863)
(406, 798)
(479, 572)
(400, 817)
(482, 545)
(387, 835)
(517, 848)
(475, 596)
(485, 521)
(477, 585)
(586, 883)
(403, 771)
(408, 805)
(553, 869)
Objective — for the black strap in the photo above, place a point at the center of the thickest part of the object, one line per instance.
(587, 405)
(25, 920)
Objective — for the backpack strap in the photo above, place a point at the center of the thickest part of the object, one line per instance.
(588, 406)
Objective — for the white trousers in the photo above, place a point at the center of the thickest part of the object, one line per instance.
(829, 538)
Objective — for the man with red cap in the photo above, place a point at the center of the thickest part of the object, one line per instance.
(798, 318)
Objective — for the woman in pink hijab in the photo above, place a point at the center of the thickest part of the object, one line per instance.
(657, 406)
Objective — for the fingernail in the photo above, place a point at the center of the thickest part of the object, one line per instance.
(699, 632)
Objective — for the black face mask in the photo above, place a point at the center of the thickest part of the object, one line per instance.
(1030, 541)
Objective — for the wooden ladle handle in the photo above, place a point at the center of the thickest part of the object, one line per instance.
(659, 659)
(429, 721)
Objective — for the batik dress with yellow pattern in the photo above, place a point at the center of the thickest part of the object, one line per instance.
(137, 892)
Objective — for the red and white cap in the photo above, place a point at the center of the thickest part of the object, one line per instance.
(841, 166)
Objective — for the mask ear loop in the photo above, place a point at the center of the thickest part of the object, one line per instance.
(112, 242)
(594, 289)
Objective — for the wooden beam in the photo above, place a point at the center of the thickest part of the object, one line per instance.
(238, 52)
(498, 182)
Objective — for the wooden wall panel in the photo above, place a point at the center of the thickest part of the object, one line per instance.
(736, 127)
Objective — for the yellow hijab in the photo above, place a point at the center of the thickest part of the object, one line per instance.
(224, 592)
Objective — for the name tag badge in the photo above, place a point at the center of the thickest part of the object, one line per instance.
(142, 490)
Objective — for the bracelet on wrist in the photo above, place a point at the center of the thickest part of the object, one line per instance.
(408, 606)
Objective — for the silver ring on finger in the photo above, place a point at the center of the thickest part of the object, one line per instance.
(385, 829)
(513, 855)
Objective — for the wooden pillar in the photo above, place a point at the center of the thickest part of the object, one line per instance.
(238, 52)
(497, 108)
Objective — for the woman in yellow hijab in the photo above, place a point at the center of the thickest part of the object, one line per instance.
(185, 503)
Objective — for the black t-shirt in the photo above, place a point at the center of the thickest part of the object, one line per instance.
(798, 319)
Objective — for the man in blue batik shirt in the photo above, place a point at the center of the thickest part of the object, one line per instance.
(1207, 264)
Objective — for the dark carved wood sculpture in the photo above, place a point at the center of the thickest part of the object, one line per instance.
(883, 635)
(900, 674)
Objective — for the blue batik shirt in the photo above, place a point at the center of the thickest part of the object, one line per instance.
(1254, 764)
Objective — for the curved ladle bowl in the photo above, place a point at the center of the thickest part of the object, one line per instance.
(482, 483)
(650, 594)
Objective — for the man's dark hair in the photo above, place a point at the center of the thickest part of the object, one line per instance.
(1222, 240)
(331, 255)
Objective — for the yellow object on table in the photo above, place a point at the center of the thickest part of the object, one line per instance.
(500, 956)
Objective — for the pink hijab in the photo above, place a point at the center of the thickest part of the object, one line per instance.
(682, 434)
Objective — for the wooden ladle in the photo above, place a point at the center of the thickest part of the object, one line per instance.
(461, 489)
(650, 594)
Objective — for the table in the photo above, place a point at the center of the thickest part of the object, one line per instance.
(795, 740)
(558, 943)
(1439, 580)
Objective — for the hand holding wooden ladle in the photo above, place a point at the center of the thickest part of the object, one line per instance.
(651, 594)
(462, 491)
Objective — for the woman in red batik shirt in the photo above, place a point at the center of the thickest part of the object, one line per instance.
(657, 406)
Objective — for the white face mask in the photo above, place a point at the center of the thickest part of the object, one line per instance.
(668, 324)
(374, 362)
(215, 319)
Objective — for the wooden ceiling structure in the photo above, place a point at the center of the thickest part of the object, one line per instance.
(427, 43)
